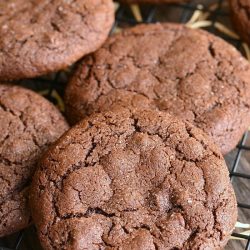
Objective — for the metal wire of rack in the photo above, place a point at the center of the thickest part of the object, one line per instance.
(238, 161)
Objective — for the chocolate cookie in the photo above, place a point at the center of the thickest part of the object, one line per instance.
(187, 72)
(29, 124)
(240, 11)
(133, 180)
(38, 37)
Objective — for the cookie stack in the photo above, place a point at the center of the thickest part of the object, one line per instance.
(36, 38)
(152, 110)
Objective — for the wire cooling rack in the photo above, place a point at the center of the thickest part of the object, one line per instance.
(214, 17)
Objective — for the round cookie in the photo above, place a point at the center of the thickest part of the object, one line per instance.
(187, 72)
(240, 12)
(39, 37)
(29, 124)
(137, 179)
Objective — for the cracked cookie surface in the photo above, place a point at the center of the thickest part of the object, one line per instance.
(29, 124)
(189, 73)
(39, 37)
(133, 180)
(240, 13)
